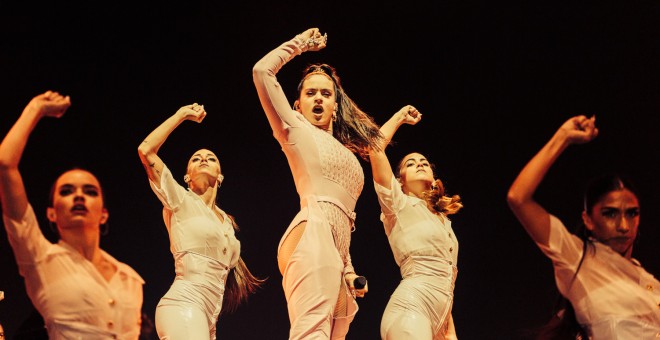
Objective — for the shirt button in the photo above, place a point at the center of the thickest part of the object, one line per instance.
(110, 324)
(123, 276)
(450, 262)
(649, 287)
(451, 249)
(111, 302)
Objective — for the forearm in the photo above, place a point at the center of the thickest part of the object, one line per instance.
(380, 165)
(271, 95)
(13, 145)
(389, 129)
(532, 174)
(153, 142)
(12, 190)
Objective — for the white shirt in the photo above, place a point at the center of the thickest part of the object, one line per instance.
(74, 299)
(613, 297)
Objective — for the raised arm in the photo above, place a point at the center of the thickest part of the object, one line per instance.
(274, 102)
(532, 215)
(148, 149)
(380, 165)
(12, 190)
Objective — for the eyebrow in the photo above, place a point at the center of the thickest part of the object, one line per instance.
(413, 159)
(85, 186)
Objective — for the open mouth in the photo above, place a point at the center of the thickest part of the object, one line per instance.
(318, 110)
(79, 209)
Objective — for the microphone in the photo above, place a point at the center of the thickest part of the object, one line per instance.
(360, 282)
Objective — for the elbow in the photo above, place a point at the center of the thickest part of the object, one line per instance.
(143, 150)
(514, 199)
(5, 164)
(259, 71)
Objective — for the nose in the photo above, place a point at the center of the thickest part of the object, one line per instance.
(79, 195)
(623, 226)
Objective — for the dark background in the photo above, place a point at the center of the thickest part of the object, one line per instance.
(494, 80)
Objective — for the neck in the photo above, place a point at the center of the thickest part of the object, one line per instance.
(206, 192)
(416, 189)
(86, 242)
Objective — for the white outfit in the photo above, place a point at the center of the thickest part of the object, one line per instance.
(426, 250)
(613, 297)
(74, 299)
(329, 180)
(204, 250)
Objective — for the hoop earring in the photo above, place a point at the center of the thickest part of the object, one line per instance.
(105, 229)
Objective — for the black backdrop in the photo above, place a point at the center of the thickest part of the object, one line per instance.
(493, 79)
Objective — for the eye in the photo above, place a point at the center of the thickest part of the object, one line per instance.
(426, 164)
(609, 213)
(64, 191)
(195, 159)
(211, 159)
(92, 192)
(326, 93)
(632, 213)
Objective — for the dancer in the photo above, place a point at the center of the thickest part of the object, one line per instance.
(610, 294)
(205, 249)
(414, 214)
(318, 137)
(80, 290)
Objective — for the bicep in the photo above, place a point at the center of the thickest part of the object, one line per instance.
(381, 169)
(535, 219)
(153, 165)
(12, 194)
(273, 100)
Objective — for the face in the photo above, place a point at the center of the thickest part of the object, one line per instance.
(317, 101)
(77, 201)
(614, 220)
(415, 168)
(203, 163)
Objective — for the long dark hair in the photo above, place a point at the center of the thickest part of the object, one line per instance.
(355, 129)
(240, 282)
(563, 323)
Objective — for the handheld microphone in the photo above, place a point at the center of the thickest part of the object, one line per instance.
(360, 282)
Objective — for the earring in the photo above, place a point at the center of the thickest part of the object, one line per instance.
(186, 178)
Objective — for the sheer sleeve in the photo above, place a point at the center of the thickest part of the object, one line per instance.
(26, 238)
(170, 193)
(564, 248)
(272, 97)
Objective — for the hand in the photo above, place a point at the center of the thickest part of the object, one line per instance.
(350, 279)
(313, 39)
(50, 104)
(409, 115)
(579, 129)
(193, 112)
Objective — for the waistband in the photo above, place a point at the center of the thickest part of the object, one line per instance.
(350, 213)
